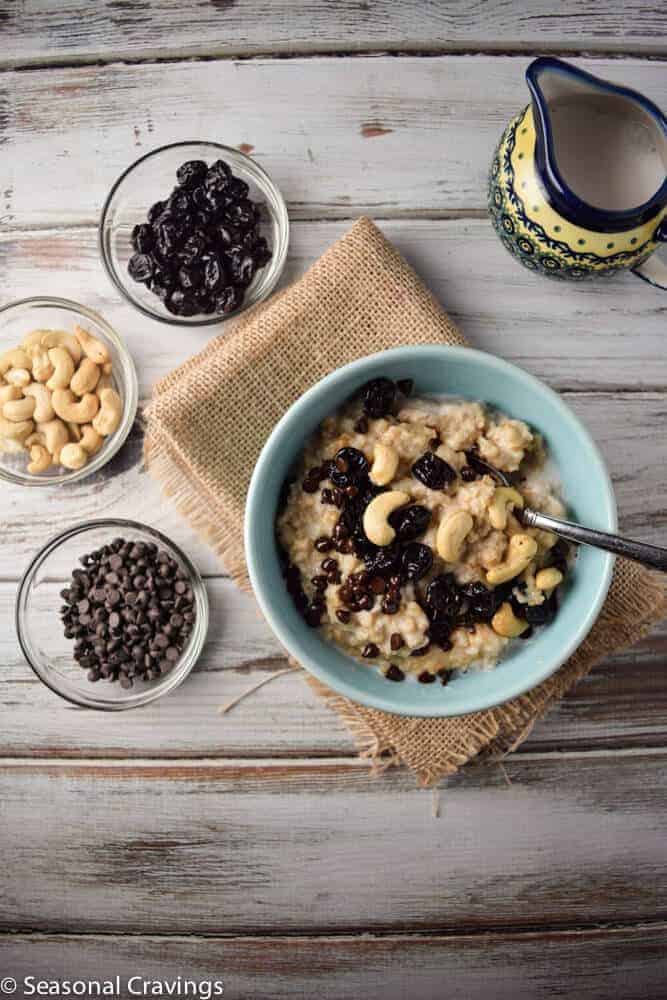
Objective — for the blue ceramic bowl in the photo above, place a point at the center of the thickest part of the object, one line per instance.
(587, 489)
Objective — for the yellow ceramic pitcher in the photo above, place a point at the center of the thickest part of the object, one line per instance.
(578, 185)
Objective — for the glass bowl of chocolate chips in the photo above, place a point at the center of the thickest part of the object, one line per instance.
(110, 614)
(194, 233)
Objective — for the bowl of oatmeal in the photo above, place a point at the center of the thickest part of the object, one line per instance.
(384, 537)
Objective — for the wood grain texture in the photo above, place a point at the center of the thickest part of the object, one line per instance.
(621, 703)
(602, 335)
(630, 962)
(34, 32)
(239, 848)
(390, 143)
(627, 427)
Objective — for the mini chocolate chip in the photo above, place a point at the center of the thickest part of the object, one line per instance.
(396, 641)
(323, 544)
(426, 677)
(422, 651)
(394, 673)
(343, 616)
(370, 651)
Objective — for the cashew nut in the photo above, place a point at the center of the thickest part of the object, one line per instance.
(505, 622)
(14, 358)
(55, 436)
(111, 410)
(17, 430)
(8, 392)
(32, 340)
(42, 369)
(40, 459)
(35, 438)
(68, 408)
(18, 376)
(60, 338)
(548, 579)
(504, 498)
(72, 456)
(92, 347)
(90, 441)
(520, 551)
(377, 527)
(74, 431)
(105, 381)
(452, 532)
(385, 463)
(17, 410)
(42, 397)
(85, 378)
(63, 368)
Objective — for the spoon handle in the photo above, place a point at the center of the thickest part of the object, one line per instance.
(650, 555)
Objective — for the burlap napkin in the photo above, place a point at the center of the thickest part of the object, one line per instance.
(207, 423)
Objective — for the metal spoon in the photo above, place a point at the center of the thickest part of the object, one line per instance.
(650, 555)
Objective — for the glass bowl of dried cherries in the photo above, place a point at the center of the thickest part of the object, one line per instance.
(111, 614)
(193, 233)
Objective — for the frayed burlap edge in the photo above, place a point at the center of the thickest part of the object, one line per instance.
(178, 482)
(390, 740)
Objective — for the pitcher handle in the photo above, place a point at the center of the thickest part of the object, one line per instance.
(654, 270)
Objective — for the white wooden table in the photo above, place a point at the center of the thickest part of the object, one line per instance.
(256, 848)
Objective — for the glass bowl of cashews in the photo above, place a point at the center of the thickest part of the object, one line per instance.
(68, 392)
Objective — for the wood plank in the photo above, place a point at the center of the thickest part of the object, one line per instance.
(589, 964)
(552, 840)
(395, 139)
(597, 335)
(80, 30)
(622, 703)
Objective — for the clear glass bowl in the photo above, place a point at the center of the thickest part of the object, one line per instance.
(40, 631)
(151, 179)
(18, 319)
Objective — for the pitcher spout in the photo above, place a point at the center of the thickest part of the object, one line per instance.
(600, 148)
